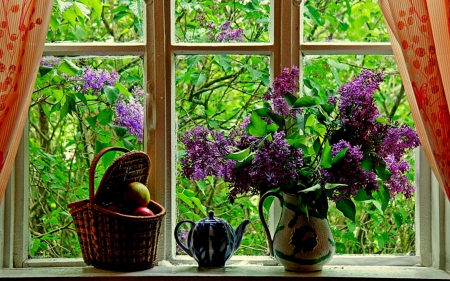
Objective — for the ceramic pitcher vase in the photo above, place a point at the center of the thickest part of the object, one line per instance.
(299, 243)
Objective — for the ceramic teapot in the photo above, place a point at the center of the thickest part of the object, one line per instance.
(211, 241)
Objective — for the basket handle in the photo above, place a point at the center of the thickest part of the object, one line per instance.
(94, 165)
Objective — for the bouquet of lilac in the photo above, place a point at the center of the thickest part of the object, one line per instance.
(336, 147)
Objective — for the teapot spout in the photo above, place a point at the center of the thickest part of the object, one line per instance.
(239, 233)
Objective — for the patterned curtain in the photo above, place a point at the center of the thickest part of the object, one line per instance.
(420, 37)
(23, 29)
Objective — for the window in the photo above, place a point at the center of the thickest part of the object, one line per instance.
(164, 55)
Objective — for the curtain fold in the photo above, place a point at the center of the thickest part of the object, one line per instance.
(420, 36)
(23, 30)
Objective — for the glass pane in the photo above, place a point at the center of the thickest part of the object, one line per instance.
(96, 21)
(79, 106)
(351, 20)
(207, 21)
(391, 232)
(218, 92)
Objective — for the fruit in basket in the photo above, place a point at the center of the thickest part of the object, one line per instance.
(143, 211)
(136, 194)
(114, 207)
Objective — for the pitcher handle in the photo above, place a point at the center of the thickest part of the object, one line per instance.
(261, 216)
(177, 239)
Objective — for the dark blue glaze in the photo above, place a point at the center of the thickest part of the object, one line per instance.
(211, 241)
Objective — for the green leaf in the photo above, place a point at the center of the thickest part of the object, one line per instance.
(224, 62)
(326, 157)
(382, 120)
(257, 126)
(68, 107)
(43, 70)
(341, 154)
(321, 205)
(69, 68)
(185, 199)
(105, 116)
(305, 101)
(398, 219)
(301, 121)
(239, 155)
(362, 195)
(384, 197)
(111, 93)
(199, 205)
(382, 172)
(366, 164)
(256, 74)
(314, 14)
(104, 136)
(347, 207)
(92, 121)
(290, 99)
(329, 186)
(312, 188)
(119, 130)
(81, 97)
(200, 80)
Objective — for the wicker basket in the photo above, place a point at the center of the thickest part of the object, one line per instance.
(110, 240)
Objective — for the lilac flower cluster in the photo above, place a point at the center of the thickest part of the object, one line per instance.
(349, 173)
(274, 163)
(225, 33)
(50, 61)
(130, 114)
(379, 141)
(290, 159)
(94, 80)
(205, 154)
(285, 83)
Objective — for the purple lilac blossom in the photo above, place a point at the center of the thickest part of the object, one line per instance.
(398, 182)
(356, 105)
(130, 114)
(286, 83)
(94, 80)
(275, 164)
(397, 141)
(349, 173)
(50, 61)
(205, 152)
(226, 33)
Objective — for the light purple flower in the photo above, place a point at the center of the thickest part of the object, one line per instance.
(130, 114)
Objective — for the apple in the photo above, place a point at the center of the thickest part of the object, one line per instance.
(143, 211)
(136, 194)
(114, 207)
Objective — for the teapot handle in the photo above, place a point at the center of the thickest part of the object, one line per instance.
(261, 216)
(177, 238)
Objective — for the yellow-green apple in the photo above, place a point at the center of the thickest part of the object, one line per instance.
(136, 194)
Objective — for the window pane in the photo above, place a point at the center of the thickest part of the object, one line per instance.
(391, 232)
(96, 21)
(218, 92)
(79, 106)
(224, 21)
(352, 20)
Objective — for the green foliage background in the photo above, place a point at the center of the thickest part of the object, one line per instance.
(68, 128)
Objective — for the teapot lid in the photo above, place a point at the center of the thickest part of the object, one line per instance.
(211, 218)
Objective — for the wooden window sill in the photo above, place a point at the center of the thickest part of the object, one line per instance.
(233, 272)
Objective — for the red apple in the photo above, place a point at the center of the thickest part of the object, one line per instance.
(143, 211)
(114, 208)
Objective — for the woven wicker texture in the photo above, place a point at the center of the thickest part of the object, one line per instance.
(111, 240)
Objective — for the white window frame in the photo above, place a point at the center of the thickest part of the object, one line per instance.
(158, 51)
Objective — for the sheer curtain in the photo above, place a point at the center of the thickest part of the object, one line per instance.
(420, 37)
(23, 29)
